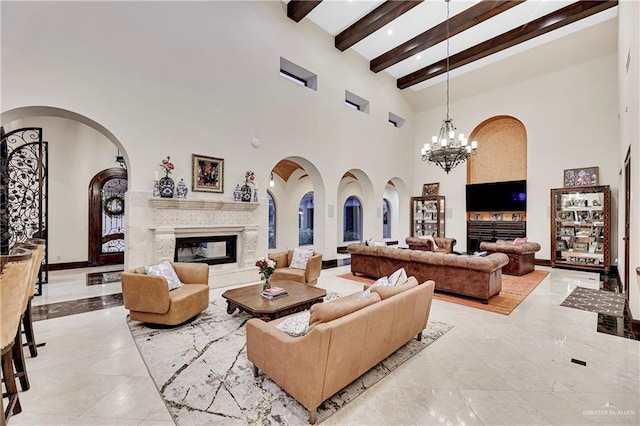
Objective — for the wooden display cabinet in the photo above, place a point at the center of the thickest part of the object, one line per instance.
(580, 227)
(427, 216)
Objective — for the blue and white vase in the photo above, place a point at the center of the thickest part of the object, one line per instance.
(181, 189)
(167, 186)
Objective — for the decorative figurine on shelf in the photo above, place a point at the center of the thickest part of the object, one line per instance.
(249, 179)
(237, 193)
(166, 184)
(255, 195)
(181, 189)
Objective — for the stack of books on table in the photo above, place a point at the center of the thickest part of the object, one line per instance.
(274, 292)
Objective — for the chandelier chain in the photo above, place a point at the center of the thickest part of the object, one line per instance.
(447, 1)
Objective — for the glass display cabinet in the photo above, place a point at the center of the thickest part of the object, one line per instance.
(580, 221)
(427, 216)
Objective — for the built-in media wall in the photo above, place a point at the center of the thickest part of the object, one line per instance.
(495, 211)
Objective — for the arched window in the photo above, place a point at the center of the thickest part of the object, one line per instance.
(305, 220)
(386, 218)
(272, 220)
(352, 225)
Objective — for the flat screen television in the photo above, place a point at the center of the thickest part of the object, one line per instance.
(497, 196)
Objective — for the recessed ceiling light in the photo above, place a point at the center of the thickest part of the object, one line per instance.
(389, 31)
(418, 57)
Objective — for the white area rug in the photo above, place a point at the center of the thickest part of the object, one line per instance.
(202, 372)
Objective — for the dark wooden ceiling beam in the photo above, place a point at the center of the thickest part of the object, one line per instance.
(298, 9)
(373, 21)
(462, 21)
(565, 16)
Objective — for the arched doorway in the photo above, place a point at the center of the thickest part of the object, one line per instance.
(106, 217)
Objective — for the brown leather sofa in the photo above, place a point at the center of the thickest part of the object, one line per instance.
(148, 298)
(522, 256)
(307, 276)
(346, 338)
(445, 245)
(473, 276)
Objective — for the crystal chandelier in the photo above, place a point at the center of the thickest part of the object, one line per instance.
(447, 150)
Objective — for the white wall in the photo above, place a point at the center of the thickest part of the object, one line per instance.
(571, 121)
(176, 78)
(629, 108)
(76, 153)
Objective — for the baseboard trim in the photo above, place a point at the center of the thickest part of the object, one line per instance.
(67, 265)
(542, 262)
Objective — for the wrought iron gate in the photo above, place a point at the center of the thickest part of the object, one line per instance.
(23, 191)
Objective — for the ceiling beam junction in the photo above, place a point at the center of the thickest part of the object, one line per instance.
(464, 20)
(372, 22)
(298, 9)
(565, 16)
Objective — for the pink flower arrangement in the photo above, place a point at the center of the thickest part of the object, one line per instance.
(249, 177)
(167, 166)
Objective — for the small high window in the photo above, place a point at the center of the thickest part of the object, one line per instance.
(356, 102)
(298, 75)
(396, 120)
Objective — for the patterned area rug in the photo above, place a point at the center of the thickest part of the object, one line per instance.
(514, 291)
(600, 301)
(204, 377)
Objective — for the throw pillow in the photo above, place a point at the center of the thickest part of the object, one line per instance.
(520, 240)
(296, 325)
(380, 282)
(387, 292)
(399, 277)
(165, 269)
(379, 244)
(300, 258)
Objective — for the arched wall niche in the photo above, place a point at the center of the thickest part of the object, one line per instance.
(502, 151)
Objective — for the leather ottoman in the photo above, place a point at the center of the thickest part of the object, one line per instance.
(521, 256)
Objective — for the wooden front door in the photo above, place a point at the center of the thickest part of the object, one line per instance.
(106, 217)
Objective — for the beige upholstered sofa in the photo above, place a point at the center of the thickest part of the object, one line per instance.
(148, 298)
(474, 276)
(445, 245)
(346, 338)
(307, 276)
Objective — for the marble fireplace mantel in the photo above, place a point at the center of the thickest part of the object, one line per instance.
(177, 218)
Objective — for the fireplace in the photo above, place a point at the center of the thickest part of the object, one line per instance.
(212, 250)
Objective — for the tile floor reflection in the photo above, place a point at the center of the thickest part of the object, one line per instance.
(490, 369)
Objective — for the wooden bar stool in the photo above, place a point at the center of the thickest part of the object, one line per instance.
(27, 319)
(15, 272)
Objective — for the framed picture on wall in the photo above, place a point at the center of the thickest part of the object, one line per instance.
(587, 176)
(207, 174)
(430, 189)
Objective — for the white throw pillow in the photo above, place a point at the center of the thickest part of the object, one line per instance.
(379, 244)
(296, 325)
(300, 258)
(165, 269)
(399, 277)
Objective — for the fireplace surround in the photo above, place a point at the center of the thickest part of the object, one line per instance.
(174, 220)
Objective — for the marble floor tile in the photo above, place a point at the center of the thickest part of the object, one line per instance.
(489, 369)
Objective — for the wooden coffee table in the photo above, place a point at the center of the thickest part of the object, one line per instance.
(248, 299)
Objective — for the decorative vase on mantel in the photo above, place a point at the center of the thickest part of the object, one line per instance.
(266, 282)
(181, 189)
(167, 186)
(246, 193)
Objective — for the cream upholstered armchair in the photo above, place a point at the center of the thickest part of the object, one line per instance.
(148, 299)
(284, 271)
